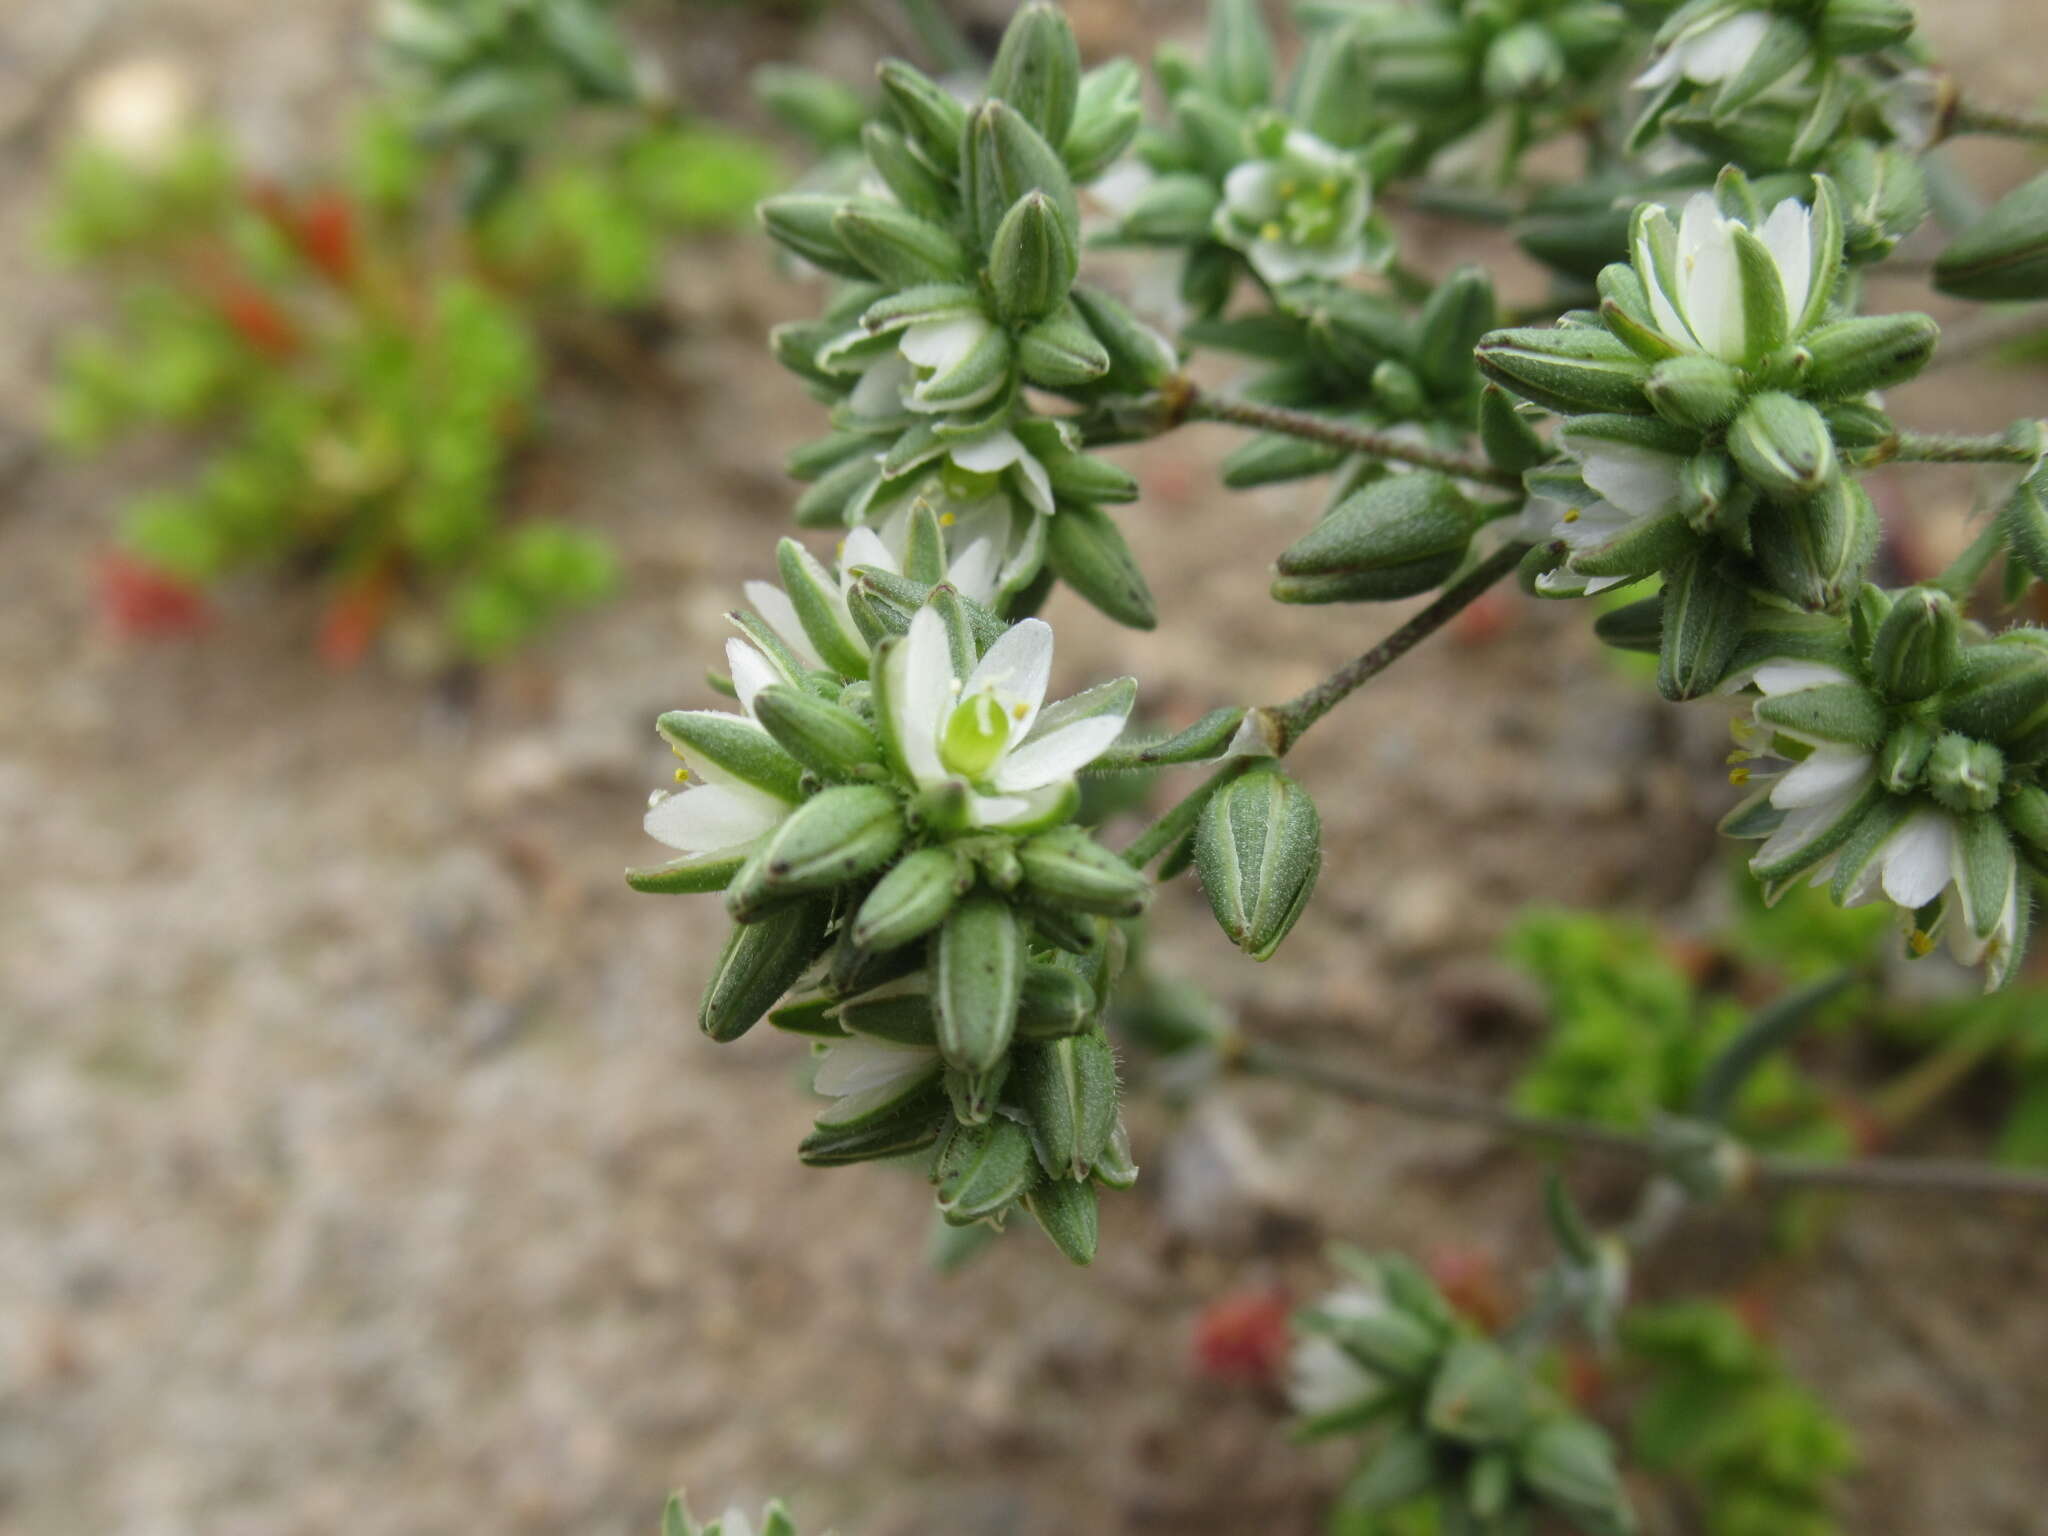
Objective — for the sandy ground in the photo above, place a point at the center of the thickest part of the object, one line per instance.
(361, 1167)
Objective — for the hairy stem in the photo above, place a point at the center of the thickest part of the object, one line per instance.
(1877, 1175)
(1944, 448)
(1180, 819)
(1189, 403)
(1992, 122)
(1968, 568)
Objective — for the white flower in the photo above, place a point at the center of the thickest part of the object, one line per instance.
(989, 728)
(1000, 449)
(1630, 484)
(1322, 1376)
(734, 1522)
(139, 110)
(866, 1074)
(1695, 280)
(722, 813)
(1709, 51)
(1299, 214)
(934, 348)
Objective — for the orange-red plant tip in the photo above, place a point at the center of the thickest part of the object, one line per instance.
(141, 602)
(1243, 1337)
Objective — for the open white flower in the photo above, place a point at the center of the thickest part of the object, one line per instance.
(1695, 278)
(1630, 483)
(1323, 1376)
(866, 1074)
(998, 451)
(722, 812)
(991, 728)
(1715, 48)
(1301, 213)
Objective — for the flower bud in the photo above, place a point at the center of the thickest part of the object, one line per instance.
(1918, 647)
(2000, 694)
(929, 113)
(2004, 255)
(2026, 813)
(1863, 26)
(904, 172)
(1086, 548)
(1965, 775)
(1068, 1090)
(761, 961)
(1510, 442)
(1479, 1396)
(1884, 196)
(732, 745)
(1590, 32)
(983, 1170)
(1637, 626)
(1402, 1467)
(1055, 1003)
(1419, 60)
(1258, 849)
(2024, 522)
(897, 246)
(1038, 70)
(1067, 867)
(1398, 536)
(1572, 369)
(1694, 390)
(1139, 357)
(1522, 64)
(1106, 118)
(912, 899)
(979, 972)
(1845, 713)
(1061, 352)
(1853, 357)
(1703, 619)
(1782, 446)
(1032, 260)
(822, 109)
(1390, 1341)
(826, 738)
(1902, 761)
(806, 223)
(833, 838)
(1240, 56)
(1067, 1210)
(1006, 158)
(1569, 1465)
(911, 1122)
(1397, 390)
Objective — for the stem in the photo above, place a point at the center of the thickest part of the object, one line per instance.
(1996, 123)
(1189, 403)
(1968, 568)
(1878, 1175)
(1943, 448)
(1294, 717)
(1180, 819)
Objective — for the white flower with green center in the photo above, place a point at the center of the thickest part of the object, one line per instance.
(1323, 1376)
(990, 729)
(722, 812)
(1629, 483)
(1918, 862)
(1715, 48)
(1300, 213)
(1700, 287)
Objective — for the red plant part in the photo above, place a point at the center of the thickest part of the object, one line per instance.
(1485, 620)
(1585, 1379)
(1243, 1338)
(355, 616)
(141, 602)
(325, 234)
(258, 319)
(1471, 1283)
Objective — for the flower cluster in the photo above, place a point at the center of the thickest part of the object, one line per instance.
(676, 1520)
(1901, 758)
(889, 816)
(1458, 1417)
(1710, 404)
(956, 268)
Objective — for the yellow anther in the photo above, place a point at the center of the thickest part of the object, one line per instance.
(1571, 516)
(1738, 776)
(682, 775)
(1270, 232)
(947, 519)
(1019, 711)
(1920, 941)
(1289, 188)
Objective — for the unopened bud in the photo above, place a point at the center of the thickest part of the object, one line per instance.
(2004, 255)
(1067, 867)
(1853, 357)
(833, 838)
(912, 899)
(1396, 537)
(1086, 548)
(1068, 1089)
(1573, 369)
(1965, 775)
(1918, 647)
(978, 975)
(1480, 1395)
(1038, 70)
(1258, 849)
(1694, 390)
(761, 961)
(1032, 260)
(1783, 447)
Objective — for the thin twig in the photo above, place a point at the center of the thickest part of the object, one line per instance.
(1197, 405)
(1944, 448)
(1876, 1175)
(1992, 122)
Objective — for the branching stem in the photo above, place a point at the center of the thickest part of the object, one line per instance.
(1994, 123)
(1190, 403)
(1943, 448)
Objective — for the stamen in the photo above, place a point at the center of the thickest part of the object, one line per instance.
(1271, 231)
(1571, 515)
(1920, 941)
(1738, 776)
(947, 519)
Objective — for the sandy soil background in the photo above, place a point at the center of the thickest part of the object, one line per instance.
(361, 1168)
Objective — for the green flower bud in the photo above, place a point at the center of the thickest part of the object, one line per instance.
(912, 1122)
(1884, 196)
(837, 836)
(983, 1169)
(1106, 118)
(1258, 849)
(1401, 1468)
(1569, 1465)
(1392, 1342)
(2026, 813)
(806, 223)
(1589, 33)
(826, 738)
(1032, 261)
(1863, 26)
(1067, 1210)
(1061, 352)
(1420, 60)
(1398, 536)
(1782, 446)
(1086, 549)
(1504, 432)
(1397, 390)
(1572, 369)
(2000, 694)
(1177, 209)
(1007, 158)
(912, 899)
(2004, 255)
(1524, 63)
(1068, 1091)
(1038, 70)
(2024, 522)
(731, 744)
(1846, 713)
(904, 172)
(1066, 867)
(1480, 1396)
(897, 246)
(1703, 620)
(1857, 424)
(1902, 761)
(930, 114)
(691, 875)
(1965, 775)
(761, 961)
(1139, 357)
(1853, 357)
(979, 972)
(1637, 626)
(1240, 60)
(1054, 1003)
(1696, 391)
(1918, 647)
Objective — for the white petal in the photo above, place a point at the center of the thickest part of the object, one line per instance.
(864, 547)
(708, 818)
(1663, 306)
(1037, 484)
(990, 453)
(1640, 481)
(751, 672)
(921, 685)
(879, 394)
(1278, 262)
(1799, 828)
(1831, 776)
(940, 344)
(773, 604)
(1919, 858)
(1776, 677)
(1788, 235)
(1057, 756)
(1321, 1377)
(1712, 276)
(1005, 810)
(1016, 669)
(1724, 48)
(1252, 190)
(859, 1064)
(973, 570)
(1662, 71)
